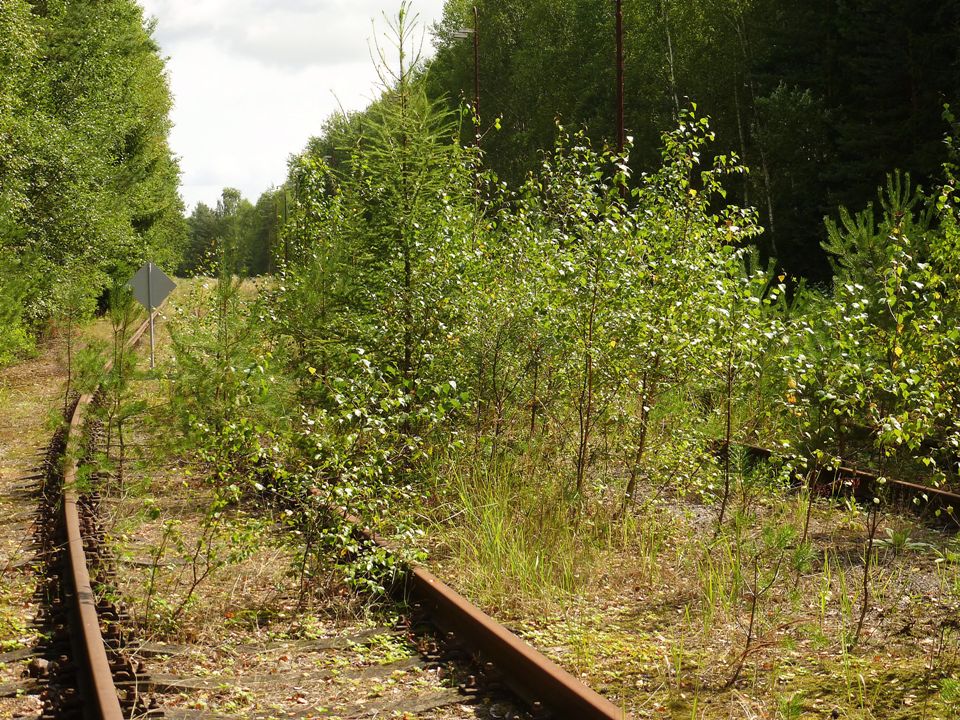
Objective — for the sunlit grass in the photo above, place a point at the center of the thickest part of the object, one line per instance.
(511, 534)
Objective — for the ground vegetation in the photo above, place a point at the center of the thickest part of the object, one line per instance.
(550, 383)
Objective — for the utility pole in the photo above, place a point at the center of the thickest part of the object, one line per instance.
(476, 70)
(621, 133)
(460, 35)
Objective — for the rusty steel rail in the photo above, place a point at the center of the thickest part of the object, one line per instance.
(527, 671)
(863, 483)
(96, 682)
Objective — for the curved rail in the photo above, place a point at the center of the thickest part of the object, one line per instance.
(96, 677)
(527, 671)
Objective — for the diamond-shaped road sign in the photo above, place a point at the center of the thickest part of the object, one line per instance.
(151, 286)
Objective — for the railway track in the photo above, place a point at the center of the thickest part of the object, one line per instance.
(90, 674)
(935, 504)
(84, 656)
(539, 681)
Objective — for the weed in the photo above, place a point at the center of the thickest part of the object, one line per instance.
(824, 592)
(383, 649)
(513, 536)
(950, 692)
(898, 540)
(802, 556)
(790, 707)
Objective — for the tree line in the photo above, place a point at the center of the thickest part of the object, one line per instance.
(820, 98)
(88, 183)
(249, 234)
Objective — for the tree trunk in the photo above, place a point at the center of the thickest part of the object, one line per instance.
(586, 394)
(645, 404)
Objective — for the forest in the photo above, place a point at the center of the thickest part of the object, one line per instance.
(820, 99)
(88, 185)
(649, 404)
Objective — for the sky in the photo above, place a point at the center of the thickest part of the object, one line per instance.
(253, 79)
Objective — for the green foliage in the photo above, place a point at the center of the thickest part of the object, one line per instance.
(513, 536)
(860, 250)
(543, 308)
(252, 232)
(873, 371)
(375, 250)
(222, 373)
(820, 98)
(86, 174)
(15, 337)
(361, 457)
(74, 301)
(950, 692)
(119, 407)
(601, 325)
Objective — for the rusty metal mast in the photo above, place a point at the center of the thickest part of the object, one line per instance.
(621, 133)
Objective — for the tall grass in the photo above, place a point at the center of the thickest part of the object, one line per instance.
(511, 534)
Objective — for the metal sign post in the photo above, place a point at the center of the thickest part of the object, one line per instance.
(151, 287)
(150, 309)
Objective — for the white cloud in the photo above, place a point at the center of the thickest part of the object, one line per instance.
(254, 79)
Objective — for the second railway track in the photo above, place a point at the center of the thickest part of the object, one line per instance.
(936, 504)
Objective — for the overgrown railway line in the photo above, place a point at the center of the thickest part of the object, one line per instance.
(937, 505)
(87, 670)
(84, 655)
